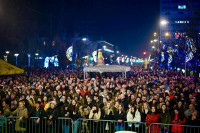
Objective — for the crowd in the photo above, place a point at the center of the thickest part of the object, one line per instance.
(148, 96)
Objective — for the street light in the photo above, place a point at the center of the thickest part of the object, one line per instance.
(36, 54)
(151, 41)
(104, 46)
(153, 47)
(166, 34)
(84, 39)
(155, 40)
(117, 52)
(154, 34)
(29, 60)
(6, 57)
(164, 22)
(16, 55)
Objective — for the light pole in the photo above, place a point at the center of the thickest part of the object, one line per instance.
(163, 22)
(36, 54)
(6, 57)
(16, 55)
(29, 60)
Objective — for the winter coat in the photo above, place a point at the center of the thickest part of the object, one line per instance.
(53, 112)
(20, 112)
(107, 114)
(143, 116)
(76, 116)
(177, 129)
(130, 118)
(165, 118)
(153, 118)
(121, 116)
(6, 110)
(41, 113)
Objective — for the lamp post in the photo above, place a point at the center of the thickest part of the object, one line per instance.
(163, 22)
(29, 60)
(6, 57)
(16, 55)
(36, 54)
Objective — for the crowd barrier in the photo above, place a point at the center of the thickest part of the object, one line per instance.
(110, 126)
(172, 128)
(32, 125)
(67, 125)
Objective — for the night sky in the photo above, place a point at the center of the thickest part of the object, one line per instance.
(129, 24)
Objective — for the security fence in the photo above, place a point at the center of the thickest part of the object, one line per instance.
(37, 125)
(67, 125)
(172, 128)
(110, 126)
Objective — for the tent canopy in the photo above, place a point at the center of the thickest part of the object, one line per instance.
(105, 68)
(8, 69)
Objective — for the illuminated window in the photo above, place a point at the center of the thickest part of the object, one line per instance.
(181, 6)
(182, 22)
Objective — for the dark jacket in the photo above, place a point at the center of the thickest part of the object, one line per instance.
(121, 116)
(106, 115)
(41, 113)
(143, 116)
(75, 116)
(165, 118)
(53, 112)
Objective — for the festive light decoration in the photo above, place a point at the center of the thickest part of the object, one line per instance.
(69, 53)
(190, 49)
(170, 59)
(162, 57)
(53, 59)
(94, 54)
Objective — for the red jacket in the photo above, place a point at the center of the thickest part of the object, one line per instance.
(171, 96)
(177, 129)
(153, 118)
(84, 93)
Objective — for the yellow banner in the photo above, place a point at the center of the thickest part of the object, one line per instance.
(145, 63)
(8, 69)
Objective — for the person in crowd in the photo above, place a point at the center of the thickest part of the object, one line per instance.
(194, 121)
(84, 111)
(95, 113)
(38, 113)
(108, 114)
(165, 118)
(144, 111)
(52, 113)
(177, 119)
(133, 116)
(6, 108)
(22, 113)
(188, 112)
(153, 117)
(120, 117)
(75, 115)
(66, 113)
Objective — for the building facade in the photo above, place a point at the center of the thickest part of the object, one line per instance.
(182, 16)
